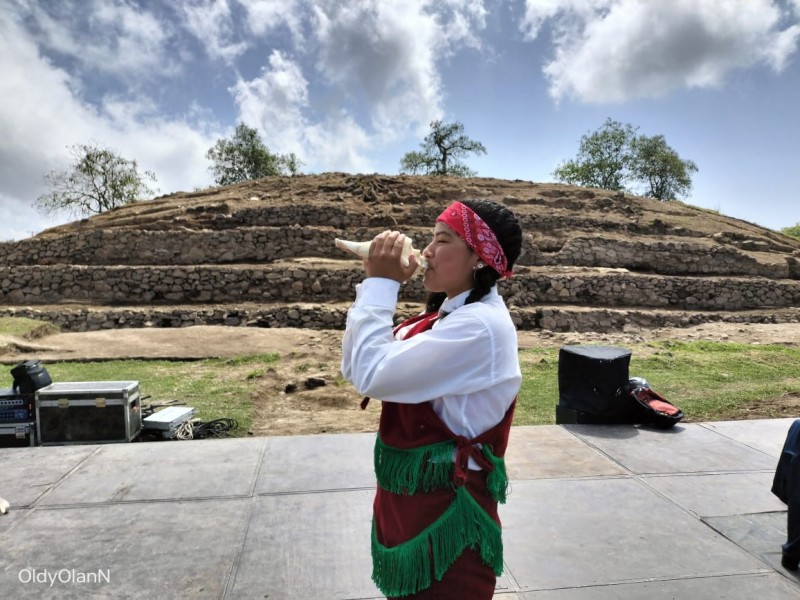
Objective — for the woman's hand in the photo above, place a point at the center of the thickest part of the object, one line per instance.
(384, 257)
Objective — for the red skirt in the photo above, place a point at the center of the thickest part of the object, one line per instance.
(399, 518)
(468, 579)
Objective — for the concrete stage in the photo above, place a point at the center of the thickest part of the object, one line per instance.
(595, 513)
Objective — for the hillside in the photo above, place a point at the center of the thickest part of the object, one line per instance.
(261, 253)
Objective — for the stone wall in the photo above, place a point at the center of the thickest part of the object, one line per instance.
(269, 244)
(305, 282)
(601, 320)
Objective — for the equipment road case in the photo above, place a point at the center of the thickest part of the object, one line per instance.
(17, 434)
(14, 408)
(86, 412)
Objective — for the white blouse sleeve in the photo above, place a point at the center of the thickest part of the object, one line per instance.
(455, 357)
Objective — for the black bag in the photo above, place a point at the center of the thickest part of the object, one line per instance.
(651, 407)
(29, 376)
(592, 384)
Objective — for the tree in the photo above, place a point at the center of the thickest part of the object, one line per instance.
(99, 180)
(614, 157)
(793, 231)
(441, 150)
(603, 158)
(245, 156)
(664, 173)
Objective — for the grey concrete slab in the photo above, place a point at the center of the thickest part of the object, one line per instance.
(760, 534)
(688, 448)
(183, 549)
(594, 512)
(317, 462)
(586, 532)
(730, 587)
(307, 546)
(28, 473)
(11, 518)
(719, 494)
(537, 452)
(766, 435)
(163, 470)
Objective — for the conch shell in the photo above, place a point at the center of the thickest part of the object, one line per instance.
(361, 249)
(4, 506)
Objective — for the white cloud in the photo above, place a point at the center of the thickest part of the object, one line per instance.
(377, 58)
(125, 41)
(211, 22)
(267, 15)
(339, 143)
(276, 101)
(40, 117)
(462, 21)
(613, 50)
(570, 12)
(388, 51)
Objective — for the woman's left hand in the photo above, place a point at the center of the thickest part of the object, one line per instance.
(384, 257)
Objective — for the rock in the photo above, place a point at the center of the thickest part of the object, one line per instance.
(315, 382)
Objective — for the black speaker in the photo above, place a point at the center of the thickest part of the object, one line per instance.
(29, 376)
(592, 385)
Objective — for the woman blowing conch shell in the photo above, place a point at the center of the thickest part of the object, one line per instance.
(361, 249)
(447, 381)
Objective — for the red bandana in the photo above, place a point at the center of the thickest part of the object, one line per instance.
(477, 234)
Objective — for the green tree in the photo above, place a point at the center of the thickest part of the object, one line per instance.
(441, 152)
(98, 180)
(666, 175)
(244, 156)
(604, 158)
(614, 158)
(793, 231)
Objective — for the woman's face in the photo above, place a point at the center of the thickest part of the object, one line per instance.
(450, 263)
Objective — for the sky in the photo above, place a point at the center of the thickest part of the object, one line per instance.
(352, 85)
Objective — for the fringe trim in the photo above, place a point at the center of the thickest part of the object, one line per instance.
(430, 467)
(497, 480)
(406, 568)
(408, 471)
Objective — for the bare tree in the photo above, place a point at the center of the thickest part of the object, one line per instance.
(441, 150)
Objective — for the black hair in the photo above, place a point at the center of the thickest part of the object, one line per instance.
(506, 227)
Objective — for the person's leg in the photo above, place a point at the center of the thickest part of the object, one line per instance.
(791, 549)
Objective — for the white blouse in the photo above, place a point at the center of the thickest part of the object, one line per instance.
(467, 364)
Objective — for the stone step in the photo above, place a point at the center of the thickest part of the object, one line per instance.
(247, 245)
(332, 315)
(326, 280)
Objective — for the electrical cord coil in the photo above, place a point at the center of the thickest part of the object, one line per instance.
(195, 429)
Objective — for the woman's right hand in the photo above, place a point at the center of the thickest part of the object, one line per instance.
(384, 257)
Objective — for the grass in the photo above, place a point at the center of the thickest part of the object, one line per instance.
(709, 381)
(24, 327)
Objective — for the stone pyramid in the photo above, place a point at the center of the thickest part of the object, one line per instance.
(261, 253)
